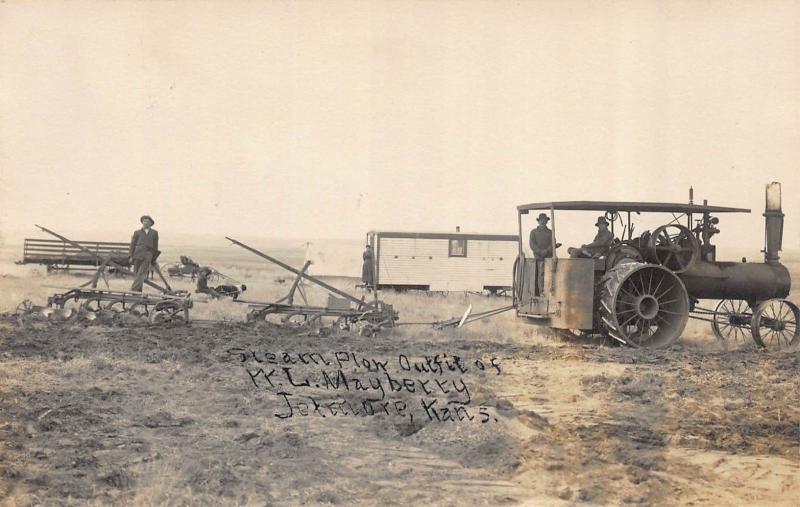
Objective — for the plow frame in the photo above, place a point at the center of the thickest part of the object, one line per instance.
(166, 306)
(371, 316)
(161, 308)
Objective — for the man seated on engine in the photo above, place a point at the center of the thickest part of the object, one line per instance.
(598, 247)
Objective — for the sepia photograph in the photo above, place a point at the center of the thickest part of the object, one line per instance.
(411, 252)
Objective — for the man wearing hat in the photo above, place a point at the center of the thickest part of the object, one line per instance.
(542, 238)
(601, 242)
(368, 267)
(541, 242)
(143, 251)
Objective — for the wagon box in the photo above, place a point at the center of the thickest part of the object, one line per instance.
(58, 254)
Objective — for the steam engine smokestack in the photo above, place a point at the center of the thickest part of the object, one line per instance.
(773, 227)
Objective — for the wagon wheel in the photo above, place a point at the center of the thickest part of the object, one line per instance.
(731, 322)
(674, 247)
(774, 324)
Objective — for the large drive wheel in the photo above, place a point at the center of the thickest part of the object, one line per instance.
(731, 322)
(643, 305)
(674, 247)
(775, 324)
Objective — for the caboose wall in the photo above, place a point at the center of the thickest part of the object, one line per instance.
(425, 261)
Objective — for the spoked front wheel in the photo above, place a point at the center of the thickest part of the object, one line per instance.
(731, 322)
(774, 324)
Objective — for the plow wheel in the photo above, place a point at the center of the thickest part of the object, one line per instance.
(674, 247)
(731, 322)
(643, 305)
(774, 324)
(25, 308)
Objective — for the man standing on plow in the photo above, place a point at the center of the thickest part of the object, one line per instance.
(144, 251)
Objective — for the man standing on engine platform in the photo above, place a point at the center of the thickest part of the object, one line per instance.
(143, 251)
(541, 242)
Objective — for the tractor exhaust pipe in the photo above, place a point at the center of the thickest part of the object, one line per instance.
(773, 226)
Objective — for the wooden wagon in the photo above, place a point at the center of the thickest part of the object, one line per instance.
(57, 254)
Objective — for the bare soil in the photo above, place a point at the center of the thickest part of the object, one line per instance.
(127, 413)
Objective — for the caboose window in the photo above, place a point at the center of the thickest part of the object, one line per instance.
(458, 248)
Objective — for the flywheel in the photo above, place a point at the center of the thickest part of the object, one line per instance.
(643, 305)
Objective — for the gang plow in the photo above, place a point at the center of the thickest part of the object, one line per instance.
(342, 311)
(93, 303)
(87, 302)
(347, 311)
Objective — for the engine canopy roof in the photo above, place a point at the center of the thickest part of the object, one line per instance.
(638, 207)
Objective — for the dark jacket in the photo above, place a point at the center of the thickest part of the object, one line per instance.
(601, 242)
(542, 242)
(367, 268)
(142, 243)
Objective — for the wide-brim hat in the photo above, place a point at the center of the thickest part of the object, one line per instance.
(601, 220)
(542, 216)
(147, 217)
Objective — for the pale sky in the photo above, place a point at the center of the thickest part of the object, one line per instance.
(327, 119)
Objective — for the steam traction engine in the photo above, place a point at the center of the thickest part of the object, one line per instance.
(642, 290)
